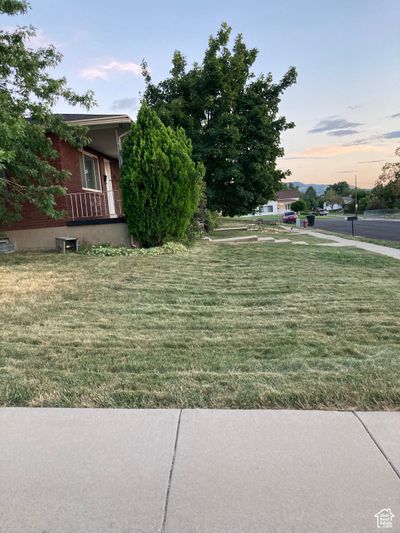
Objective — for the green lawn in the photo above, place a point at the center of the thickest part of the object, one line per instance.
(248, 326)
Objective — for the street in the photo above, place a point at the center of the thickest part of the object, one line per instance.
(374, 229)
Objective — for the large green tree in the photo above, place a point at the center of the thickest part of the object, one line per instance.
(28, 167)
(362, 196)
(342, 188)
(161, 184)
(311, 198)
(386, 193)
(332, 198)
(232, 118)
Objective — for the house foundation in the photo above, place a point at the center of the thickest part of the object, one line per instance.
(116, 234)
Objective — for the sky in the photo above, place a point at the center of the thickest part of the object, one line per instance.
(347, 54)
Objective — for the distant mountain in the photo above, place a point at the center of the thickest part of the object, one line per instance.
(319, 187)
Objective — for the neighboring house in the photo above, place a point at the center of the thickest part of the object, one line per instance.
(92, 205)
(338, 207)
(271, 208)
(283, 201)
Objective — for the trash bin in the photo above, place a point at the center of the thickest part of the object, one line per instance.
(311, 220)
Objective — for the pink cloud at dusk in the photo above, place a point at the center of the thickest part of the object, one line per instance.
(332, 150)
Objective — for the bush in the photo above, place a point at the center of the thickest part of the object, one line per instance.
(160, 183)
(106, 250)
(194, 231)
(299, 205)
(200, 225)
(203, 220)
(212, 220)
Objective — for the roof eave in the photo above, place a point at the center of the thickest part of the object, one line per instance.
(122, 119)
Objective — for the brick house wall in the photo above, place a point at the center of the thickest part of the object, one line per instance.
(69, 160)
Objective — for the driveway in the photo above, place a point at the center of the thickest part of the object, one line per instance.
(374, 229)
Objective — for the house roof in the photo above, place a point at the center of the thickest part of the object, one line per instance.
(105, 131)
(85, 116)
(288, 195)
(89, 119)
(78, 116)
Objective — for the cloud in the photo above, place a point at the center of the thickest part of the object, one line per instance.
(353, 107)
(396, 115)
(40, 40)
(341, 133)
(331, 150)
(112, 67)
(391, 135)
(375, 139)
(124, 103)
(346, 171)
(333, 123)
(359, 142)
(371, 161)
(301, 157)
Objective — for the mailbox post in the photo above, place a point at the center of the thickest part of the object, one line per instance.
(352, 219)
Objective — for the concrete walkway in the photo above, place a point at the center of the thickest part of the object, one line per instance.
(198, 471)
(369, 247)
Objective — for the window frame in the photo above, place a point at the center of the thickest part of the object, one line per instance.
(93, 156)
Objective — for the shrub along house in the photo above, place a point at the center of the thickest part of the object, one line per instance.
(92, 206)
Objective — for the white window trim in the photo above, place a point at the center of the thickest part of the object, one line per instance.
(98, 172)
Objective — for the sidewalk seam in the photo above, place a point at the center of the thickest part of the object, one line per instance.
(397, 473)
(164, 520)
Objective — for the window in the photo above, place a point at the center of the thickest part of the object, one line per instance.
(270, 208)
(90, 172)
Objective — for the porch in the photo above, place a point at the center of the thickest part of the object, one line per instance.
(94, 195)
(94, 205)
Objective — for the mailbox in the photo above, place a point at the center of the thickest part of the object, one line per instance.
(351, 219)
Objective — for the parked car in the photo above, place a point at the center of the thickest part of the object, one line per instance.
(289, 217)
(321, 212)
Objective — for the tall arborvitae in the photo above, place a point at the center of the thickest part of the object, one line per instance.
(160, 182)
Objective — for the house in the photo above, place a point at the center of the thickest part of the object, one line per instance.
(338, 207)
(283, 201)
(92, 206)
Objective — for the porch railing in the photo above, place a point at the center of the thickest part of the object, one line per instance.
(92, 205)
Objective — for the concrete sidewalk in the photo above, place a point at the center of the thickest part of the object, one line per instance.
(198, 471)
(369, 247)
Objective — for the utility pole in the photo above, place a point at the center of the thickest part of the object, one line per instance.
(355, 195)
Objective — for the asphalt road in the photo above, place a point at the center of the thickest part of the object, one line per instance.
(388, 230)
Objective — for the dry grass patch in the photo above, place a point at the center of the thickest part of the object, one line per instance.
(221, 326)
